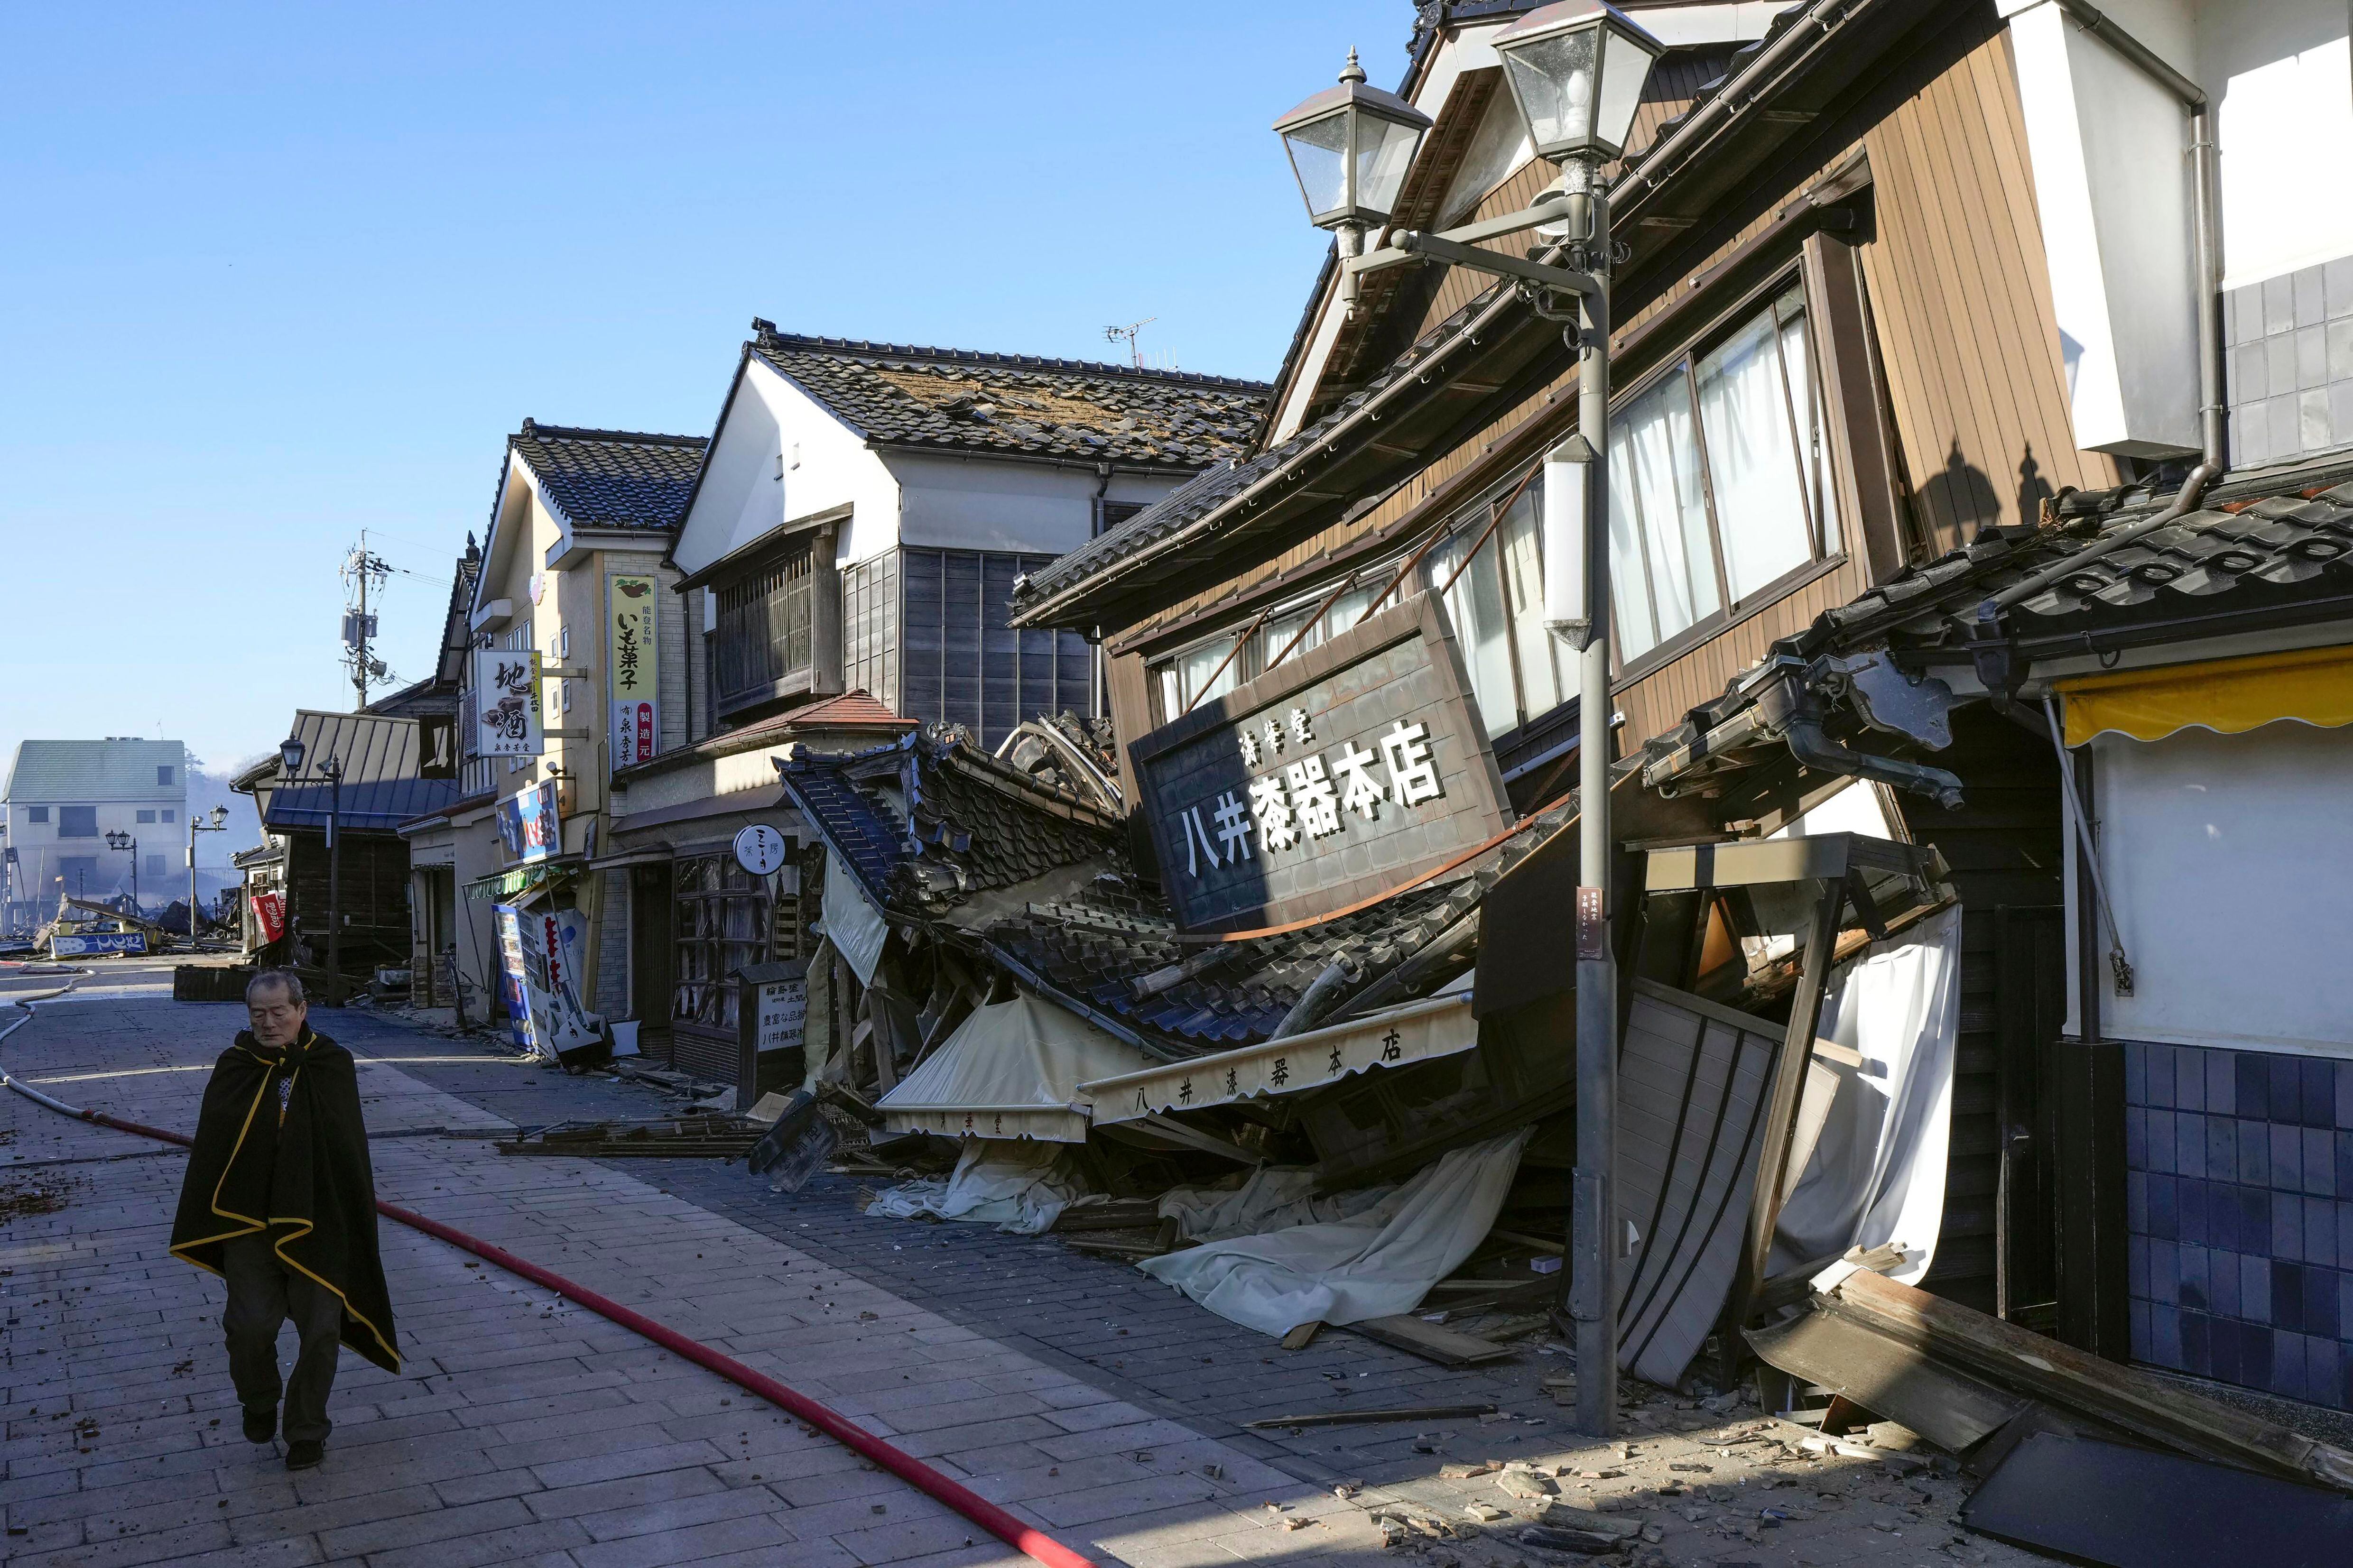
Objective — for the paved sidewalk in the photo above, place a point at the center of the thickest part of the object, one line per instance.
(1088, 1398)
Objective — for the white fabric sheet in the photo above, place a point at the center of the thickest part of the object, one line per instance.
(1269, 1198)
(1017, 1187)
(1373, 1265)
(1877, 1174)
(1012, 1070)
(856, 927)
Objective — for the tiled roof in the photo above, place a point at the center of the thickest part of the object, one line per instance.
(1019, 406)
(611, 478)
(1041, 886)
(89, 772)
(1205, 492)
(2257, 552)
(969, 823)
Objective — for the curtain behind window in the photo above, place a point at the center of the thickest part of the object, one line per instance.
(1520, 545)
(1474, 607)
(1753, 459)
(1662, 566)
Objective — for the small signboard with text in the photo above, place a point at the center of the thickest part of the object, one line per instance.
(530, 824)
(96, 944)
(1343, 772)
(632, 666)
(508, 717)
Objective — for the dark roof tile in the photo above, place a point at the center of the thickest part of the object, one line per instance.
(611, 478)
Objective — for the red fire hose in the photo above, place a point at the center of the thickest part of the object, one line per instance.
(1031, 1544)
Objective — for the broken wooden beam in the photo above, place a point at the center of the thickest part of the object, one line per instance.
(1360, 1418)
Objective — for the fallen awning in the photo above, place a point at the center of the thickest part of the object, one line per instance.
(1437, 1027)
(1011, 1070)
(518, 883)
(2228, 696)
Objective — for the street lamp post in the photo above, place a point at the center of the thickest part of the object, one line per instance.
(291, 752)
(116, 839)
(1575, 70)
(219, 821)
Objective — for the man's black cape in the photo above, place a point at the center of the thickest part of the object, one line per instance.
(306, 1183)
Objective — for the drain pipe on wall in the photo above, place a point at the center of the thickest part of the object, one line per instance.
(2205, 242)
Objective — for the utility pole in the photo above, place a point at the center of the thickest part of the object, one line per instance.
(362, 571)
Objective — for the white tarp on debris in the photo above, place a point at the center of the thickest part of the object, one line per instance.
(1877, 1174)
(856, 926)
(1373, 1265)
(1019, 1187)
(1435, 1026)
(1011, 1070)
(1270, 1198)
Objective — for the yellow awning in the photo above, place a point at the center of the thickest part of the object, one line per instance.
(2228, 696)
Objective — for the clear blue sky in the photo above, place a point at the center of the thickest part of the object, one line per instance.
(272, 275)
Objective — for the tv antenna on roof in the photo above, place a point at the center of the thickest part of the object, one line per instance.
(1116, 334)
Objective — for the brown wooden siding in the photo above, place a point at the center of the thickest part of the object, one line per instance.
(1969, 358)
(1961, 294)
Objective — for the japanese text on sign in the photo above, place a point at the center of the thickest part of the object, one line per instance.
(1309, 798)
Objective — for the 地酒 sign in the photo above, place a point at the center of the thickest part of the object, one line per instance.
(632, 657)
(508, 717)
(1336, 776)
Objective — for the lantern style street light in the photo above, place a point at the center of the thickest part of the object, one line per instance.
(121, 842)
(1350, 146)
(218, 824)
(1575, 70)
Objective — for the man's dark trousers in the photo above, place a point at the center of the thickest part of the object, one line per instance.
(262, 1294)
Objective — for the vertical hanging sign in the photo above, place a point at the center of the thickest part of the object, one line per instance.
(507, 714)
(631, 659)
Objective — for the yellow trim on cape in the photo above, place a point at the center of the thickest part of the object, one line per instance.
(279, 1244)
(2228, 696)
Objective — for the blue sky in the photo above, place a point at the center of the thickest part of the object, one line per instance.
(273, 275)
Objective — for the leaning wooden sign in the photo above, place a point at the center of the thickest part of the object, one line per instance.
(1342, 773)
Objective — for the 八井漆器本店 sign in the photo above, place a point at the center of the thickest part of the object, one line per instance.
(507, 711)
(632, 657)
(1341, 774)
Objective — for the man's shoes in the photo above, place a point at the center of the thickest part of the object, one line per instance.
(261, 1426)
(304, 1453)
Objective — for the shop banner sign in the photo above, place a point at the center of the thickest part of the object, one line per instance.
(530, 824)
(1337, 776)
(632, 665)
(508, 717)
(270, 915)
(543, 951)
(95, 943)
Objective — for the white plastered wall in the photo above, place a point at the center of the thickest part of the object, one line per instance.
(780, 455)
(2230, 860)
(2112, 183)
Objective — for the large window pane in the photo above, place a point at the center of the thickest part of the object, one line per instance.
(1521, 544)
(1474, 606)
(1662, 566)
(1195, 665)
(1753, 459)
(1798, 366)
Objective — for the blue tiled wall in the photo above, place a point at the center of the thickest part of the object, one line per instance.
(2239, 1194)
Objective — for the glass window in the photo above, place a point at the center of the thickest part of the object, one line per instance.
(146, 816)
(722, 924)
(1715, 481)
(1545, 681)
(36, 814)
(77, 822)
(1466, 572)
(170, 814)
(164, 776)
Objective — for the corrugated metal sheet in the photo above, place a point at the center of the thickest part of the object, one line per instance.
(380, 786)
(89, 772)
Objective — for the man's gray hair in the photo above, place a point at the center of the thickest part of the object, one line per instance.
(285, 979)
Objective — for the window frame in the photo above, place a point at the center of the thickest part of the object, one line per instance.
(781, 588)
(1820, 502)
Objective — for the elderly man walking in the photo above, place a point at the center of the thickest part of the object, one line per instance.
(279, 1200)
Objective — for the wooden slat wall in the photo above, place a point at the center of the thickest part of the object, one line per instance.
(1960, 299)
(1961, 293)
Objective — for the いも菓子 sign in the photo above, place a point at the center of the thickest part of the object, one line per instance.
(1342, 773)
(632, 665)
